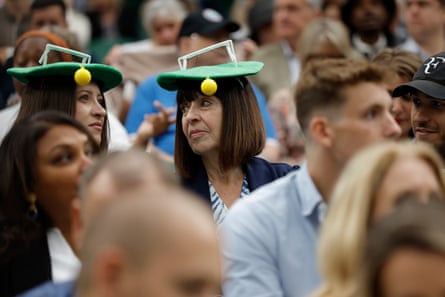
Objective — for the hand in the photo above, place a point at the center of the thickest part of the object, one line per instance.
(154, 124)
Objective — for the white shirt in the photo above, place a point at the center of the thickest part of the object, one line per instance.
(64, 263)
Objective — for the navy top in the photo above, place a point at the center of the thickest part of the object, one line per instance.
(258, 172)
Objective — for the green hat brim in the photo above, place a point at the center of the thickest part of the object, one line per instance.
(108, 76)
(169, 80)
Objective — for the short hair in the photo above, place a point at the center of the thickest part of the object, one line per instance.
(170, 9)
(389, 5)
(414, 226)
(402, 62)
(322, 83)
(18, 152)
(152, 216)
(322, 30)
(127, 169)
(55, 93)
(242, 135)
(344, 231)
(41, 4)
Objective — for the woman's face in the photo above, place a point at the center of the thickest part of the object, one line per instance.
(62, 155)
(401, 108)
(165, 30)
(90, 109)
(406, 177)
(413, 272)
(202, 123)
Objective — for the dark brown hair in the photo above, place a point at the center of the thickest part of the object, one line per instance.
(55, 93)
(243, 134)
(18, 152)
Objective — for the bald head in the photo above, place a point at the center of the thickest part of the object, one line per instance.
(151, 245)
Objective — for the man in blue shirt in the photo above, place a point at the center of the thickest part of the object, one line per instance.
(269, 238)
(198, 30)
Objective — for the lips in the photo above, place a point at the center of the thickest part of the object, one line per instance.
(424, 132)
(196, 133)
(96, 125)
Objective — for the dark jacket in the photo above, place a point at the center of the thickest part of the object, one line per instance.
(258, 172)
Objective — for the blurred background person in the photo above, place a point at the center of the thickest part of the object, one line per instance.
(371, 24)
(282, 65)
(400, 66)
(43, 159)
(374, 183)
(27, 52)
(425, 24)
(141, 59)
(321, 38)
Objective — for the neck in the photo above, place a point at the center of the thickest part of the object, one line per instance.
(292, 42)
(433, 44)
(324, 173)
(369, 37)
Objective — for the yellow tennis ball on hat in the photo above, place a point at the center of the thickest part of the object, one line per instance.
(209, 87)
(82, 76)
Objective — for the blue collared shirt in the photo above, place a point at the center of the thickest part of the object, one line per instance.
(270, 237)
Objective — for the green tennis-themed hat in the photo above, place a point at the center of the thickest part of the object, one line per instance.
(82, 72)
(208, 74)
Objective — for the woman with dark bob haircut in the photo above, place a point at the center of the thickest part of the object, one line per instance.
(43, 158)
(219, 131)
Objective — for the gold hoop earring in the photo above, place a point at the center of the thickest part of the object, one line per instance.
(32, 209)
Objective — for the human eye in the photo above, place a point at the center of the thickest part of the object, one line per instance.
(437, 104)
(184, 107)
(371, 113)
(416, 101)
(63, 157)
(84, 97)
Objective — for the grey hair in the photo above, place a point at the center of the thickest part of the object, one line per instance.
(152, 9)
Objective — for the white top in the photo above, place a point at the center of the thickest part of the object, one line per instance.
(64, 263)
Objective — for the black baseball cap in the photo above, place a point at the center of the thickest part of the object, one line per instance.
(206, 22)
(429, 79)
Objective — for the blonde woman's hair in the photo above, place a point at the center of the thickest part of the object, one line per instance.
(344, 231)
(325, 30)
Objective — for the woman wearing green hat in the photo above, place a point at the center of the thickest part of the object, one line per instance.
(219, 131)
(70, 87)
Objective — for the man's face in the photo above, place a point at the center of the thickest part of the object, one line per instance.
(424, 17)
(364, 119)
(428, 120)
(49, 16)
(290, 17)
(369, 16)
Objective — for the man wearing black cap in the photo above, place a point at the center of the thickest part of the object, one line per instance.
(198, 30)
(427, 92)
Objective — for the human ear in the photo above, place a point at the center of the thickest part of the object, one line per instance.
(321, 131)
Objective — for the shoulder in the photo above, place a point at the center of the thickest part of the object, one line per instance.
(266, 51)
(277, 169)
(51, 289)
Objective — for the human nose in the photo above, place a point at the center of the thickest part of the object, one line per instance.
(85, 162)
(396, 106)
(191, 113)
(392, 129)
(419, 114)
(98, 109)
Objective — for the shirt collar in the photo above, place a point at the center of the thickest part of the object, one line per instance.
(311, 199)
(369, 49)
